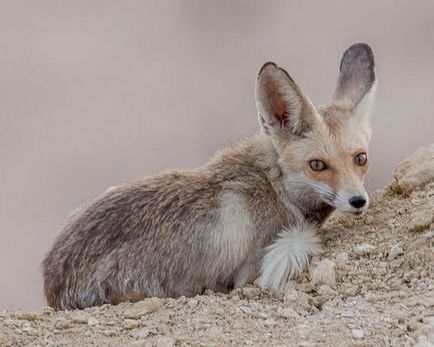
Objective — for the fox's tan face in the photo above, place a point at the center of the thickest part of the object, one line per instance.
(326, 148)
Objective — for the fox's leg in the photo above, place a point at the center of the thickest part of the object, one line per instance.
(288, 255)
(247, 273)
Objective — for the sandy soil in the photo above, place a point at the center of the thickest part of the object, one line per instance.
(373, 286)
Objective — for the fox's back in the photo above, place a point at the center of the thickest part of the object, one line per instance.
(129, 225)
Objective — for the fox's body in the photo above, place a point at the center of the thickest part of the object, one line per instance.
(252, 211)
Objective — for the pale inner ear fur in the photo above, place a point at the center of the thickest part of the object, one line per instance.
(281, 104)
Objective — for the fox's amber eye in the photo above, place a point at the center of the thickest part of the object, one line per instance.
(361, 159)
(317, 165)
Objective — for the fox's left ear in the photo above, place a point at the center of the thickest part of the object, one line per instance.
(283, 107)
(356, 82)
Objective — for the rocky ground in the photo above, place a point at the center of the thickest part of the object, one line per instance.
(373, 286)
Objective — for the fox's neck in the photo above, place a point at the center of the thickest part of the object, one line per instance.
(296, 190)
(260, 154)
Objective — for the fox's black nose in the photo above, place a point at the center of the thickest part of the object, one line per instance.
(357, 201)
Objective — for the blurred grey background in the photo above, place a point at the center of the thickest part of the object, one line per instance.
(94, 93)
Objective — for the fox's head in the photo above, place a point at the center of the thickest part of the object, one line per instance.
(324, 148)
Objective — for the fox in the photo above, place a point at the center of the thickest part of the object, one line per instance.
(253, 212)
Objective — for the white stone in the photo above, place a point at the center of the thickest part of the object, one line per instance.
(251, 292)
(324, 273)
(79, 316)
(130, 324)
(165, 342)
(416, 170)
(141, 334)
(27, 315)
(369, 220)
(27, 328)
(48, 310)
(358, 333)
(287, 312)
(270, 322)
(364, 249)
(395, 251)
(429, 320)
(110, 332)
(62, 323)
(342, 258)
(420, 220)
(92, 321)
(143, 307)
(326, 291)
(428, 235)
(192, 302)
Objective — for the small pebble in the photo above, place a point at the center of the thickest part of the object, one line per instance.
(251, 292)
(326, 291)
(80, 317)
(192, 302)
(364, 249)
(27, 328)
(130, 324)
(92, 321)
(141, 334)
(48, 310)
(428, 234)
(429, 320)
(324, 273)
(110, 332)
(270, 322)
(369, 220)
(287, 312)
(342, 258)
(401, 317)
(420, 220)
(165, 342)
(358, 333)
(27, 315)
(144, 307)
(61, 324)
(395, 251)
(408, 276)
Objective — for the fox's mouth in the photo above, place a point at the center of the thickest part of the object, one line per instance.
(335, 204)
(356, 213)
(333, 199)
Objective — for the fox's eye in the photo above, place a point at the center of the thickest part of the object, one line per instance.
(361, 159)
(317, 165)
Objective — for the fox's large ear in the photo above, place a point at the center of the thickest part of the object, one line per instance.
(281, 104)
(356, 83)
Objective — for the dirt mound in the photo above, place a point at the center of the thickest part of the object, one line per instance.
(374, 285)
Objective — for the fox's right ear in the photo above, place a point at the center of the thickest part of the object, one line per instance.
(282, 106)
